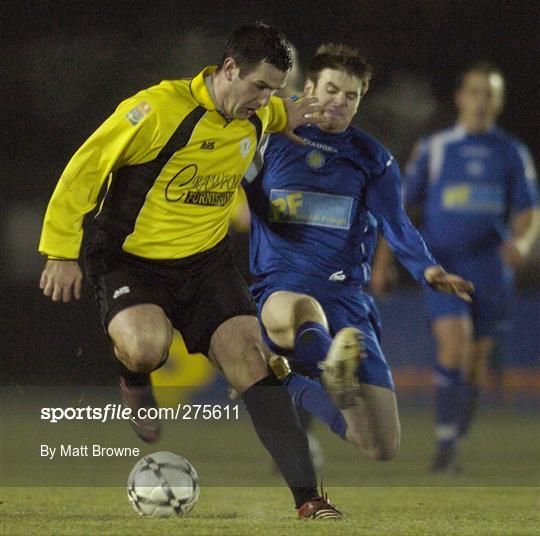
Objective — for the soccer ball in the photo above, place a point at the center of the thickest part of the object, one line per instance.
(163, 484)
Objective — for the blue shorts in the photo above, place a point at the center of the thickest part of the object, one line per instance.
(491, 298)
(344, 306)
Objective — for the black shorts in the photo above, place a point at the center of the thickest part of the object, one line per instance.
(197, 293)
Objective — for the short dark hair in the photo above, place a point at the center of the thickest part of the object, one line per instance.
(253, 43)
(483, 67)
(341, 58)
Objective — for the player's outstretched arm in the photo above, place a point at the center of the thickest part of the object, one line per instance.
(440, 280)
(300, 111)
(61, 279)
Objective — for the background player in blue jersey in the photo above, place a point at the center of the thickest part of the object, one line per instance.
(315, 210)
(475, 186)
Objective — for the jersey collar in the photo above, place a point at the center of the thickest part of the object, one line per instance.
(461, 131)
(198, 88)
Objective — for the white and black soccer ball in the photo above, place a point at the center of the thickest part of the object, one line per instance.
(163, 484)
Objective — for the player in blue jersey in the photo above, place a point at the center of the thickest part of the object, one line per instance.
(315, 210)
(471, 182)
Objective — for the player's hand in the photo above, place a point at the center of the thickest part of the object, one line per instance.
(300, 111)
(61, 279)
(510, 254)
(442, 281)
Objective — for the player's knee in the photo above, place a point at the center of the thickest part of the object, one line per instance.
(282, 336)
(144, 353)
(387, 452)
(375, 451)
(308, 309)
(380, 451)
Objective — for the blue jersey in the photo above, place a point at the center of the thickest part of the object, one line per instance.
(467, 186)
(315, 208)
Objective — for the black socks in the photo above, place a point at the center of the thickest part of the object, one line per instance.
(136, 379)
(275, 420)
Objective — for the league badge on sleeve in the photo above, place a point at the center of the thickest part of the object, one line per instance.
(138, 113)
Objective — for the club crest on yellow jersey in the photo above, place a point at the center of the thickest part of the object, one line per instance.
(245, 146)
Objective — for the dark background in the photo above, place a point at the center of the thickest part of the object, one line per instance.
(66, 65)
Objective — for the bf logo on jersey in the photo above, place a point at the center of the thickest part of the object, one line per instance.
(315, 159)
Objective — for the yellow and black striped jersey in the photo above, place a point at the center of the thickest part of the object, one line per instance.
(174, 165)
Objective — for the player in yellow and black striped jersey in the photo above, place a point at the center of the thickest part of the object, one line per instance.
(160, 259)
(176, 163)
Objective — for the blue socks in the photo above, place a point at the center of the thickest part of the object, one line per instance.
(312, 396)
(449, 388)
(311, 344)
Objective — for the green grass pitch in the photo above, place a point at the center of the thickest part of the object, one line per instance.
(248, 511)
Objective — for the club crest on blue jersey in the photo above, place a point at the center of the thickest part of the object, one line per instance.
(475, 168)
(315, 159)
